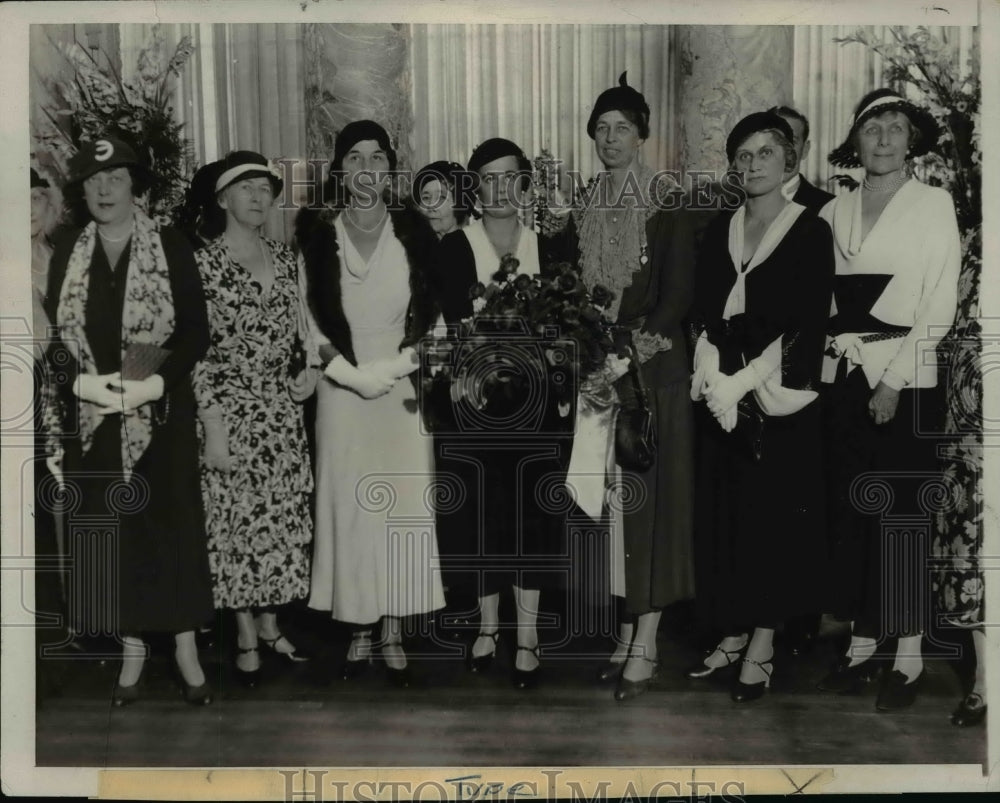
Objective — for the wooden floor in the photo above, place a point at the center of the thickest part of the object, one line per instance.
(299, 717)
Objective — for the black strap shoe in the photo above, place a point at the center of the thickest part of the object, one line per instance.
(971, 711)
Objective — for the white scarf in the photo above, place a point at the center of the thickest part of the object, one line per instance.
(147, 317)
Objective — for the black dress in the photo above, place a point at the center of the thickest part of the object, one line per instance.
(138, 556)
(508, 527)
(759, 525)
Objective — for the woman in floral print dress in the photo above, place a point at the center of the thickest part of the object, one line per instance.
(255, 471)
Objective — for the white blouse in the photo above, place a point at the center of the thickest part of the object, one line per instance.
(916, 242)
(487, 261)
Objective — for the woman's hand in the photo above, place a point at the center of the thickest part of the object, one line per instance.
(217, 456)
(135, 393)
(374, 382)
(728, 419)
(367, 382)
(97, 389)
(722, 393)
(883, 403)
(304, 385)
(616, 367)
(393, 368)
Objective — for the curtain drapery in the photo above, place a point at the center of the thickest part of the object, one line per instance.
(535, 85)
(243, 89)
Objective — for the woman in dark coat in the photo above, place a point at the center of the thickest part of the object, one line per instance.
(129, 445)
(643, 251)
(764, 283)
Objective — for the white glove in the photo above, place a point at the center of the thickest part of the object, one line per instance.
(724, 391)
(706, 367)
(366, 384)
(217, 456)
(616, 367)
(97, 389)
(393, 368)
(137, 392)
(728, 419)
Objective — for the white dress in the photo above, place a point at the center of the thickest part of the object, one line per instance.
(375, 550)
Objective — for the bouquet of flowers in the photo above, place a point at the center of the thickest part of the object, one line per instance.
(96, 101)
(532, 344)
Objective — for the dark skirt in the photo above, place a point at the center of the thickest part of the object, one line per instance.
(659, 565)
(138, 551)
(880, 516)
(759, 525)
(503, 522)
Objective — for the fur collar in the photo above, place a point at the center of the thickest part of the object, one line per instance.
(317, 242)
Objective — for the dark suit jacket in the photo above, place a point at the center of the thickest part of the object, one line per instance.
(811, 197)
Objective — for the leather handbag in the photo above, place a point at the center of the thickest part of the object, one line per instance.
(635, 428)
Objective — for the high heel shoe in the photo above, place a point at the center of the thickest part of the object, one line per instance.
(629, 689)
(748, 692)
(125, 695)
(193, 695)
(897, 691)
(525, 678)
(610, 672)
(482, 663)
(846, 679)
(398, 677)
(971, 711)
(249, 678)
(197, 695)
(702, 670)
(352, 669)
(294, 655)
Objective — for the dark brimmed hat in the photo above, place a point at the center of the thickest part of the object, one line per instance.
(619, 98)
(239, 165)
(452, 174)
(359, 131)
(497, 148)
(38, 181)
(752, 124)
(437, 171)
(103, 154)
(879, 102)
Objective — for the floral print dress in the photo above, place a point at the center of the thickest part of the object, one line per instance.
(257, 514)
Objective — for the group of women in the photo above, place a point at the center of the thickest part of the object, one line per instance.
(788, 354)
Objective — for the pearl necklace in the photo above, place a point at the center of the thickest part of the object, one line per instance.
(115, 239)
(890, 186)
(359, 227)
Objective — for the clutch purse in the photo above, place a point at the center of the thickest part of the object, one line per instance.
(635, 431)
(750, 427)
(142, 360)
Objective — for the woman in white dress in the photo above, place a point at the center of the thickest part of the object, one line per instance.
(365, 306)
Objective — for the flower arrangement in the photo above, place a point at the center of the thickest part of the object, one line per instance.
(530, 338)
(96, 101)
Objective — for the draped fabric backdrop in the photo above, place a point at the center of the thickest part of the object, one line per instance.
(535, 85)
